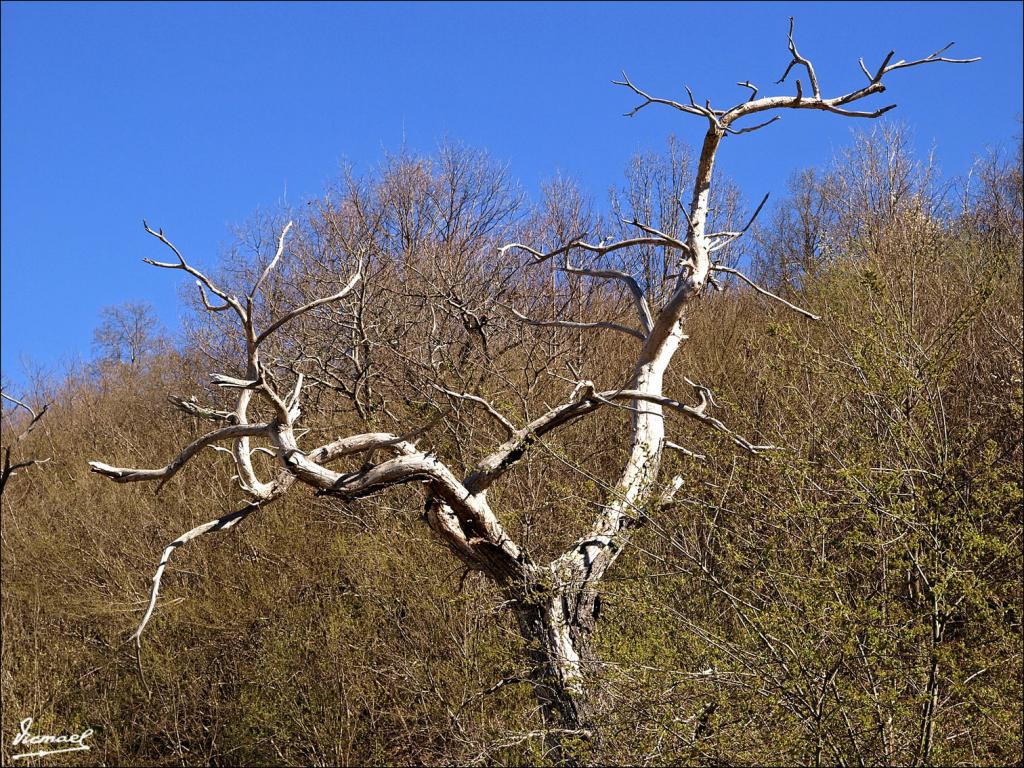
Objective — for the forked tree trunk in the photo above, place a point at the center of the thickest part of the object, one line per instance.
(557, 613)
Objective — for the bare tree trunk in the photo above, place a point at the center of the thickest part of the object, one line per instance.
(557, 619)
(556, 622)
(558, 647)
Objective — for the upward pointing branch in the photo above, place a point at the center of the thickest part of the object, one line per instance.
(273, 262)
(229, 301)
(798, 59)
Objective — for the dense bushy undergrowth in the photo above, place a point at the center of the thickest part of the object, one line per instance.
(855, 597)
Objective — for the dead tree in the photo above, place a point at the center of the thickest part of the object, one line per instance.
(8, 470)
(554, 602)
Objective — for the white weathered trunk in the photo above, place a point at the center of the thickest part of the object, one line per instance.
(553, 646)
(563, 620)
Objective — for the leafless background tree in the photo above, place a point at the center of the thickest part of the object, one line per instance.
(128, 333)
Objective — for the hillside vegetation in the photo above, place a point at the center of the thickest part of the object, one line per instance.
(851, 598)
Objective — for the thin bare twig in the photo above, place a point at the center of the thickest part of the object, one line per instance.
(765, 291)
(498, 416)
(573, 324)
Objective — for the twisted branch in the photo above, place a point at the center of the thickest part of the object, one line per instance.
(126, 475)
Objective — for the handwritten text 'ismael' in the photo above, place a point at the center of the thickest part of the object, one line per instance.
(72, 742)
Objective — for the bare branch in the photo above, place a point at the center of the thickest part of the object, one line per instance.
(834, 105)
(642, 308)
(723, 120)
(193, 408)
(640, 301)
(751, 86)
(219, 524)
(669, 493)
(689, 410)
(293, 401)
(707, 397)
(230, 382)
(206, 301)
(585, 400)
(798, 59)
(8, 469)
(35, 417)
(307, 307)
(864, 69)
(222, 523)
(757, 210)
(751, 129)
(692, 109)
(508, 425)
(930, 59)
(508, 453)
(462, 518)
(572, 324)
(669, 241)
(273, 262)
(182, 264)
(764, 291)
(599, 249)
(684, 451)
(358, 443)
(731, 236)
(881, 69)
(124, 475)
(854, 113)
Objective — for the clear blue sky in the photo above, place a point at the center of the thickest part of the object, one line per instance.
(194, 115)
